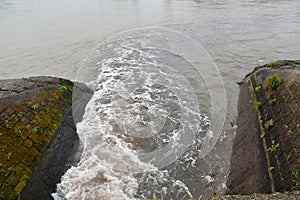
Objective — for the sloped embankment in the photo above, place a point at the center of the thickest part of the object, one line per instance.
(38, 137)
(266, 150)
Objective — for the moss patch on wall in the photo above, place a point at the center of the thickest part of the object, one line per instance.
(266, 151)
(279, 119)
(26, 127)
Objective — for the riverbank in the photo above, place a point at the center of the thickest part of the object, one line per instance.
(38, 138)
(266, 149)
(39, 143)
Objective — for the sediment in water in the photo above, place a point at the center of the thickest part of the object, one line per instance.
(38, 135)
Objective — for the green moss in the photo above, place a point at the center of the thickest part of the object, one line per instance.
(288, 157)
(296, 179)
(272, 101)
(34, 130)
(269, 123)
(274, 147)
(20, 115)
(63, 88)
(13, 169)
(273, 81)
(274, 64)
(258, 88)
(19, 187)
(18, 132)
(258, 105)
(8, 156)
(20, 144)
(35, 106)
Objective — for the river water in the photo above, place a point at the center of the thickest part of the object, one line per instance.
(162, 119)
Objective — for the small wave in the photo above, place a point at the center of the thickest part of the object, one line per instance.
(106, 166)
(142, 118)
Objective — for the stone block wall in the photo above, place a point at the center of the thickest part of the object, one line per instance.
(274, 131)
(281, 137)
(31, 111)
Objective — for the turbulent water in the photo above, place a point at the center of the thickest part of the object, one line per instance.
(162, 118)
(144, 129)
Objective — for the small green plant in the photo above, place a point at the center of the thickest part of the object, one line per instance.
(21, 184)
(34, 130)
(55, 125)
(20, 114)
(286, 126)
(8, 123)
(274, 64)
(272, 168)
(298, 125)
(258, 105)
(8, 156)
(296, 180)
(257, 88)
(272, 101)
(17, 131)
(273, 81)
(290, 131)
(269, 123)
(274, 147)
(13, 169)
(63, 88)
(35, 106)
(278, 162)
(288, 157)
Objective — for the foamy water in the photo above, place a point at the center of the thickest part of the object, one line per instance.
(104, 169)
(53, 37)
(135, 97)
(147, 132)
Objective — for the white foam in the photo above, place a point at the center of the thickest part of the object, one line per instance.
(127, 83)
(107, 166)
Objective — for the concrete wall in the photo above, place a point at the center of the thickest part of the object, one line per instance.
(266, 151)
(37, 136)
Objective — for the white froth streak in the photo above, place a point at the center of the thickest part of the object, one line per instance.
(194, 52)
(106, 166)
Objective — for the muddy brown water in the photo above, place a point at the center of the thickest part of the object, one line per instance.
(72, 39)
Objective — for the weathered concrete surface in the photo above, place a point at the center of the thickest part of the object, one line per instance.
(266, 151)
(248, 163)
(38, 134)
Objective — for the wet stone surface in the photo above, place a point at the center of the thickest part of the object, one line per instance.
(37, 136)
(266, 152)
